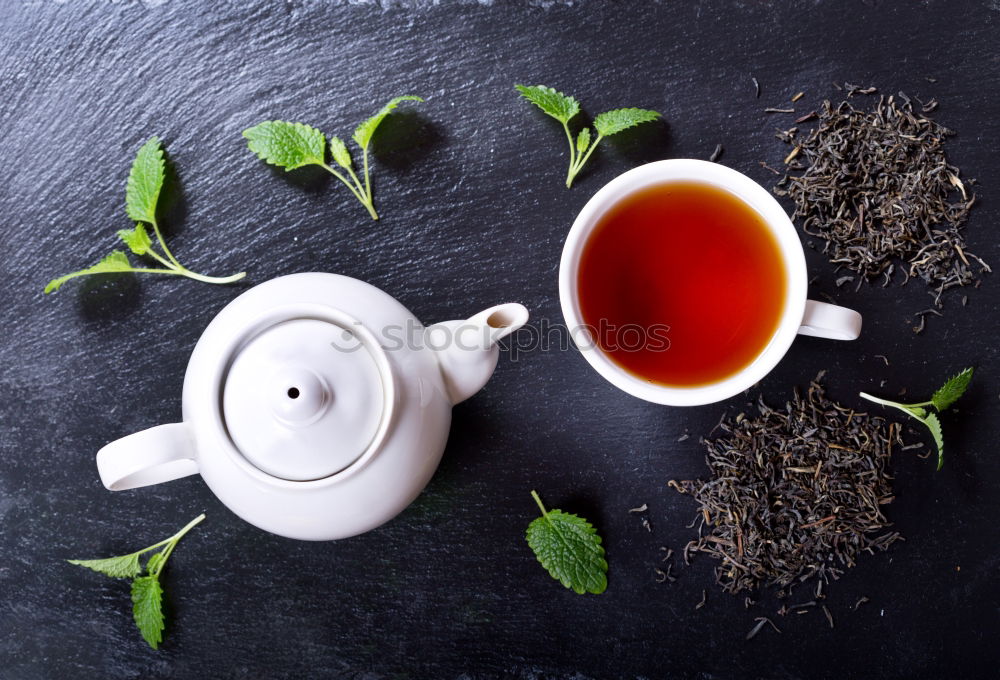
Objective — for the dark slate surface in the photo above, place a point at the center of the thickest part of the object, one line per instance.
(474, 212)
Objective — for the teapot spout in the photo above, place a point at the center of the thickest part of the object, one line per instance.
(467, 350)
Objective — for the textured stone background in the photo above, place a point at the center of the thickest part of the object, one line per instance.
(474, 212)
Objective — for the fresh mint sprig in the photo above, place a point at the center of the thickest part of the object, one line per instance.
(945, 396)
(147, 593)
(295, 145)
(563, 108)
(142, 194)
(569, 548)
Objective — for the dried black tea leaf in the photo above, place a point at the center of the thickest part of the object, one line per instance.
(795, 493)
(876, 186)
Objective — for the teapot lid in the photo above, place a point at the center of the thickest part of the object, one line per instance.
(305, 398)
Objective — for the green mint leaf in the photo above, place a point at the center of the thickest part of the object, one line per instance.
(287, 145)
(137, 239)
(154, 562)
(934, 425)
(147, 608)
(556, 104)
(293, 145)
(563, 108)
(115, 262)
(147, 595)
(142, 191)
(954, 388)
(612, 122)
(570, 550)
(125, 566)
(364, 132)
(944, 397)
(339, 152)
(145, 179)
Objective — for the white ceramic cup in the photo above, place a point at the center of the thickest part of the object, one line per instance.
(799, 315)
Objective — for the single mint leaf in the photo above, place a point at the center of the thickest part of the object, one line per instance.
(954, 388)
(115, 262)
(147, 608)
(145, 180)
(612, 122)
(556, 104)
(154, 561)
(125, 566)
(934, 425)
(570, 550)
(364, 132)
(287, 145)
(137, 239)
(583, 140)
(339, 152)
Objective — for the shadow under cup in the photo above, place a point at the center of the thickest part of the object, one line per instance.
(683, 282)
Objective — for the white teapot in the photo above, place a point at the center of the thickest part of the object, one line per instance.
(316, 406)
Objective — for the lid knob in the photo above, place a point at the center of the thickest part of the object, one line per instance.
(298, 396)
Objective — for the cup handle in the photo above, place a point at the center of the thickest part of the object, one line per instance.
(823, 320)
(159, 454)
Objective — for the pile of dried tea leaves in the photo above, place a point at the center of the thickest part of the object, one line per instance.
(795, 494)
(876, 186)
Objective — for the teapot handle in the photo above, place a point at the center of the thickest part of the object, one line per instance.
(159, 454)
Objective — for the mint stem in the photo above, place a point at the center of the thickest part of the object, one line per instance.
(545, 513)
(365, 200)
(211, 279)
(571, 172)
(368, 181)
(586, 157)
(908, 409)
(343, 179)
(159, 258)
(174, 267)
(877, 400)
(172, 542)
(163, 243)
